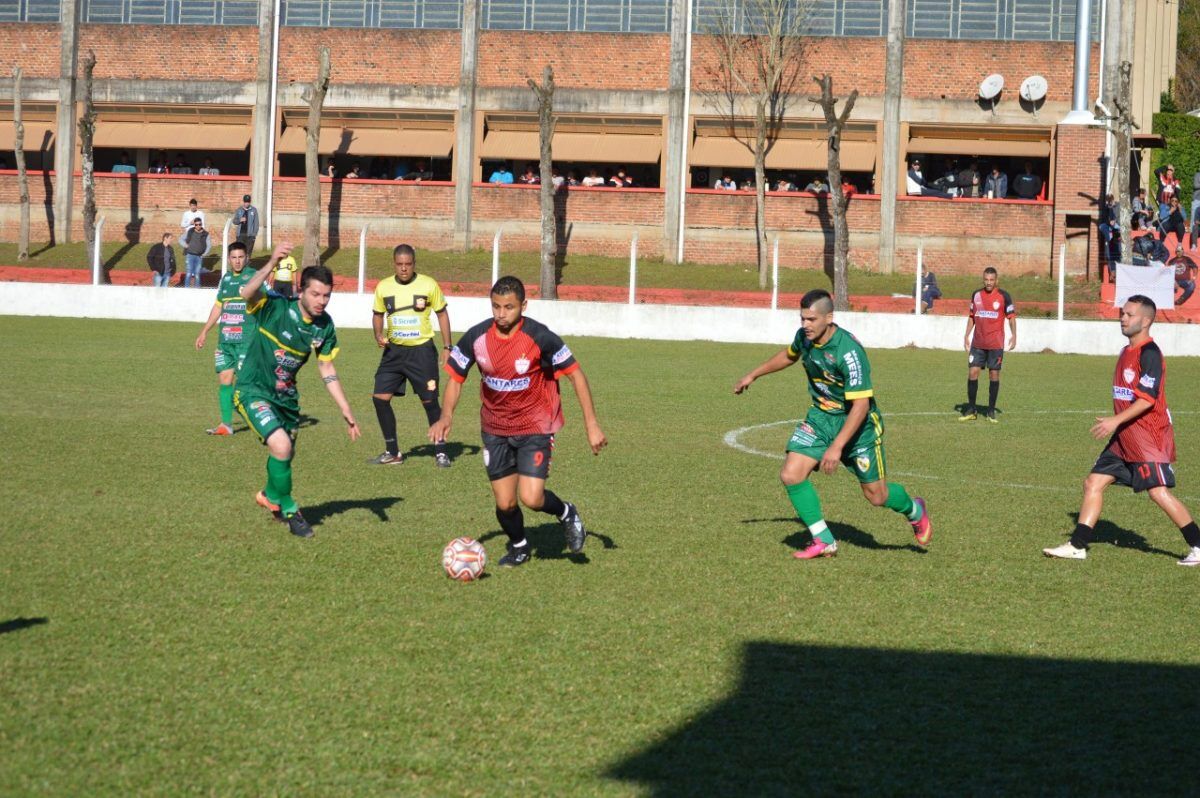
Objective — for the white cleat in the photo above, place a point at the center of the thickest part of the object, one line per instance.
(1066, 552)
(1192, 558)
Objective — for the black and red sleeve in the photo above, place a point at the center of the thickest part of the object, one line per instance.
(557, 358)
(1010, 309)
(462, 356)
(1150, 373)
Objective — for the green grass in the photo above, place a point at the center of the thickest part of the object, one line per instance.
(476, 266)
(178, 642)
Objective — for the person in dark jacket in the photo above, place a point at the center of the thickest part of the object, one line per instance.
(161, 259)
(245, 219)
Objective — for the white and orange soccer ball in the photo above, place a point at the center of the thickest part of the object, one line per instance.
(464, 559)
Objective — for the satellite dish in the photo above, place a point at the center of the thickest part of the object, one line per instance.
(1033, 88)
(991, 86)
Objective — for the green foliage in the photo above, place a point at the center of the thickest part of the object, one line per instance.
(1182, 134)
(160, 635)
(1166, 100)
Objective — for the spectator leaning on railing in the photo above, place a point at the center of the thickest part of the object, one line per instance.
(995, 185)
(1027, 185)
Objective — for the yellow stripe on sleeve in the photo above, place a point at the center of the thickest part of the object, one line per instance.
(867, 394)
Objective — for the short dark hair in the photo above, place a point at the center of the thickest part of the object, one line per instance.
(1146, 302)
(819, 299)
(509, 285)
(236, 246)
(192, 201)
(991, 270)
(167, 235)
(404, 249)
(321, 274)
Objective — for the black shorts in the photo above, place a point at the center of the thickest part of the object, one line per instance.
(284, 288)
(1139, 476)
(992, 358)
(412, 364)
(527, 455)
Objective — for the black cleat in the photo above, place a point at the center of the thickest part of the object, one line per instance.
(573, 526)
(298, 526)
(516, 556)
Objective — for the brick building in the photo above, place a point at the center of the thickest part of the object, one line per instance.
(414, 90)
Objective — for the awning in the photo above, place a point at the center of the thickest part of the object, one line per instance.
(38, 135)
(798, 154)
(524, 145)
(171, 136)
(1149, 141)
(980, 147)
(372, 141)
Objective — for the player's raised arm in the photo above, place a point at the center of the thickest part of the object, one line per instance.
(596, 437)
(252, 291)
(329, 376)
(777, 362)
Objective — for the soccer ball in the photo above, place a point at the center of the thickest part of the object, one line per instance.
(464, 559)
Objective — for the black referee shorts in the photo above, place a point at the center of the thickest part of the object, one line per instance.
(417, 365)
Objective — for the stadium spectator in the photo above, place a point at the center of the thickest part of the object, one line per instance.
(180, 167)
(330, 169)
(725, 183)
(620, 179)
(354, 173)
(158, 167)
(572, 179)
(208, 168)
(530, 176)
(783, 184)
(1141, 211)
(995, 185)
(1168, 187)
(848, 188)
(245, 219)
(1185, 275)
(502, 176)
(556, 178)
(1173, 222)
(419, 172)
(196, 244)
(161, 259)
(1148, 250)
(193, 211)
(1192, 215)
(929, 291)
(817, 185)
(916, 185)
(3, 162)
(1110, 232)
(593, 179)
(747, 184)
(1027, 185)
(124, 164)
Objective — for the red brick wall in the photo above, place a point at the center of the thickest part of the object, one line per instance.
(388, 57)
(34, 47)
(1077, 181)
(580, 60)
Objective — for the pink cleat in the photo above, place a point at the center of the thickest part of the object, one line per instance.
(816, 549)
(923, 529)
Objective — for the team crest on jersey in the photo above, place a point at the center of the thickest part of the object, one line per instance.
(420, 303)
(521, 364)
(863, 463)
(1129, 375)
(996, 305)
(829, 357)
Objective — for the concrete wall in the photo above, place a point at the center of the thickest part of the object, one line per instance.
(652, 322)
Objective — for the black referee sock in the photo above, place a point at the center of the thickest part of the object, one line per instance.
(513, 523)
(972, 393)
(1191, 533)
(387, 424)
(433, 411)
(1083, 535)
(993, 392)
(552, 505)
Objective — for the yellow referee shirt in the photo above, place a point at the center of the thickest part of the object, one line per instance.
(406, 308)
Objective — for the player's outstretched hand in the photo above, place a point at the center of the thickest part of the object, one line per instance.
(200, 340)
(742, 384)
(1104, 427)
(439, 430)
(596, 438)
(352, 428)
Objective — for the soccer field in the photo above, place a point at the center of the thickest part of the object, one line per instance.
(159, 635)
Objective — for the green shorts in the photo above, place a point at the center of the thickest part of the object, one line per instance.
(265, 416)
(863, 453)
(229, 356)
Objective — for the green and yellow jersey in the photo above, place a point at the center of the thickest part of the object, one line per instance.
(282, 342)
(234, 325)
(406, 308)
(838, 371)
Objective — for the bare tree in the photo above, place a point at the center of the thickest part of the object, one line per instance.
(87, 131)
(1187, 64)
(1122, 125)
(760, 56)
(548, 285)
(315, 96)
(835, 122)
(22, 176)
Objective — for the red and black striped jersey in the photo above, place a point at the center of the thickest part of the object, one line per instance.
(989, 309)
(520, 376)
(1142, 374)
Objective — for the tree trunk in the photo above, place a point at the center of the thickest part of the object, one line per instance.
(87, 130)
(834, 123)
(1122, 142)
(22, 176)
(548, 285)
(312, 168)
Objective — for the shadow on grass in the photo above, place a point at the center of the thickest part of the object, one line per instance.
(454, 450)
(17, 624)
(1108, 533)
(549, 542)
(917, 723)
(379, 505)
(961, 408)
(843, 533)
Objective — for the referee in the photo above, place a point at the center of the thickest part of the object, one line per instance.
(402, 328)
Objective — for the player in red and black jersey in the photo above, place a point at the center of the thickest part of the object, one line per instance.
(1141, 441)
(990, 306)
(521, 361)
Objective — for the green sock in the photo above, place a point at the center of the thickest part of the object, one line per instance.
(225, 395)
(899, 500)
(279, 485)
(808, 509)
